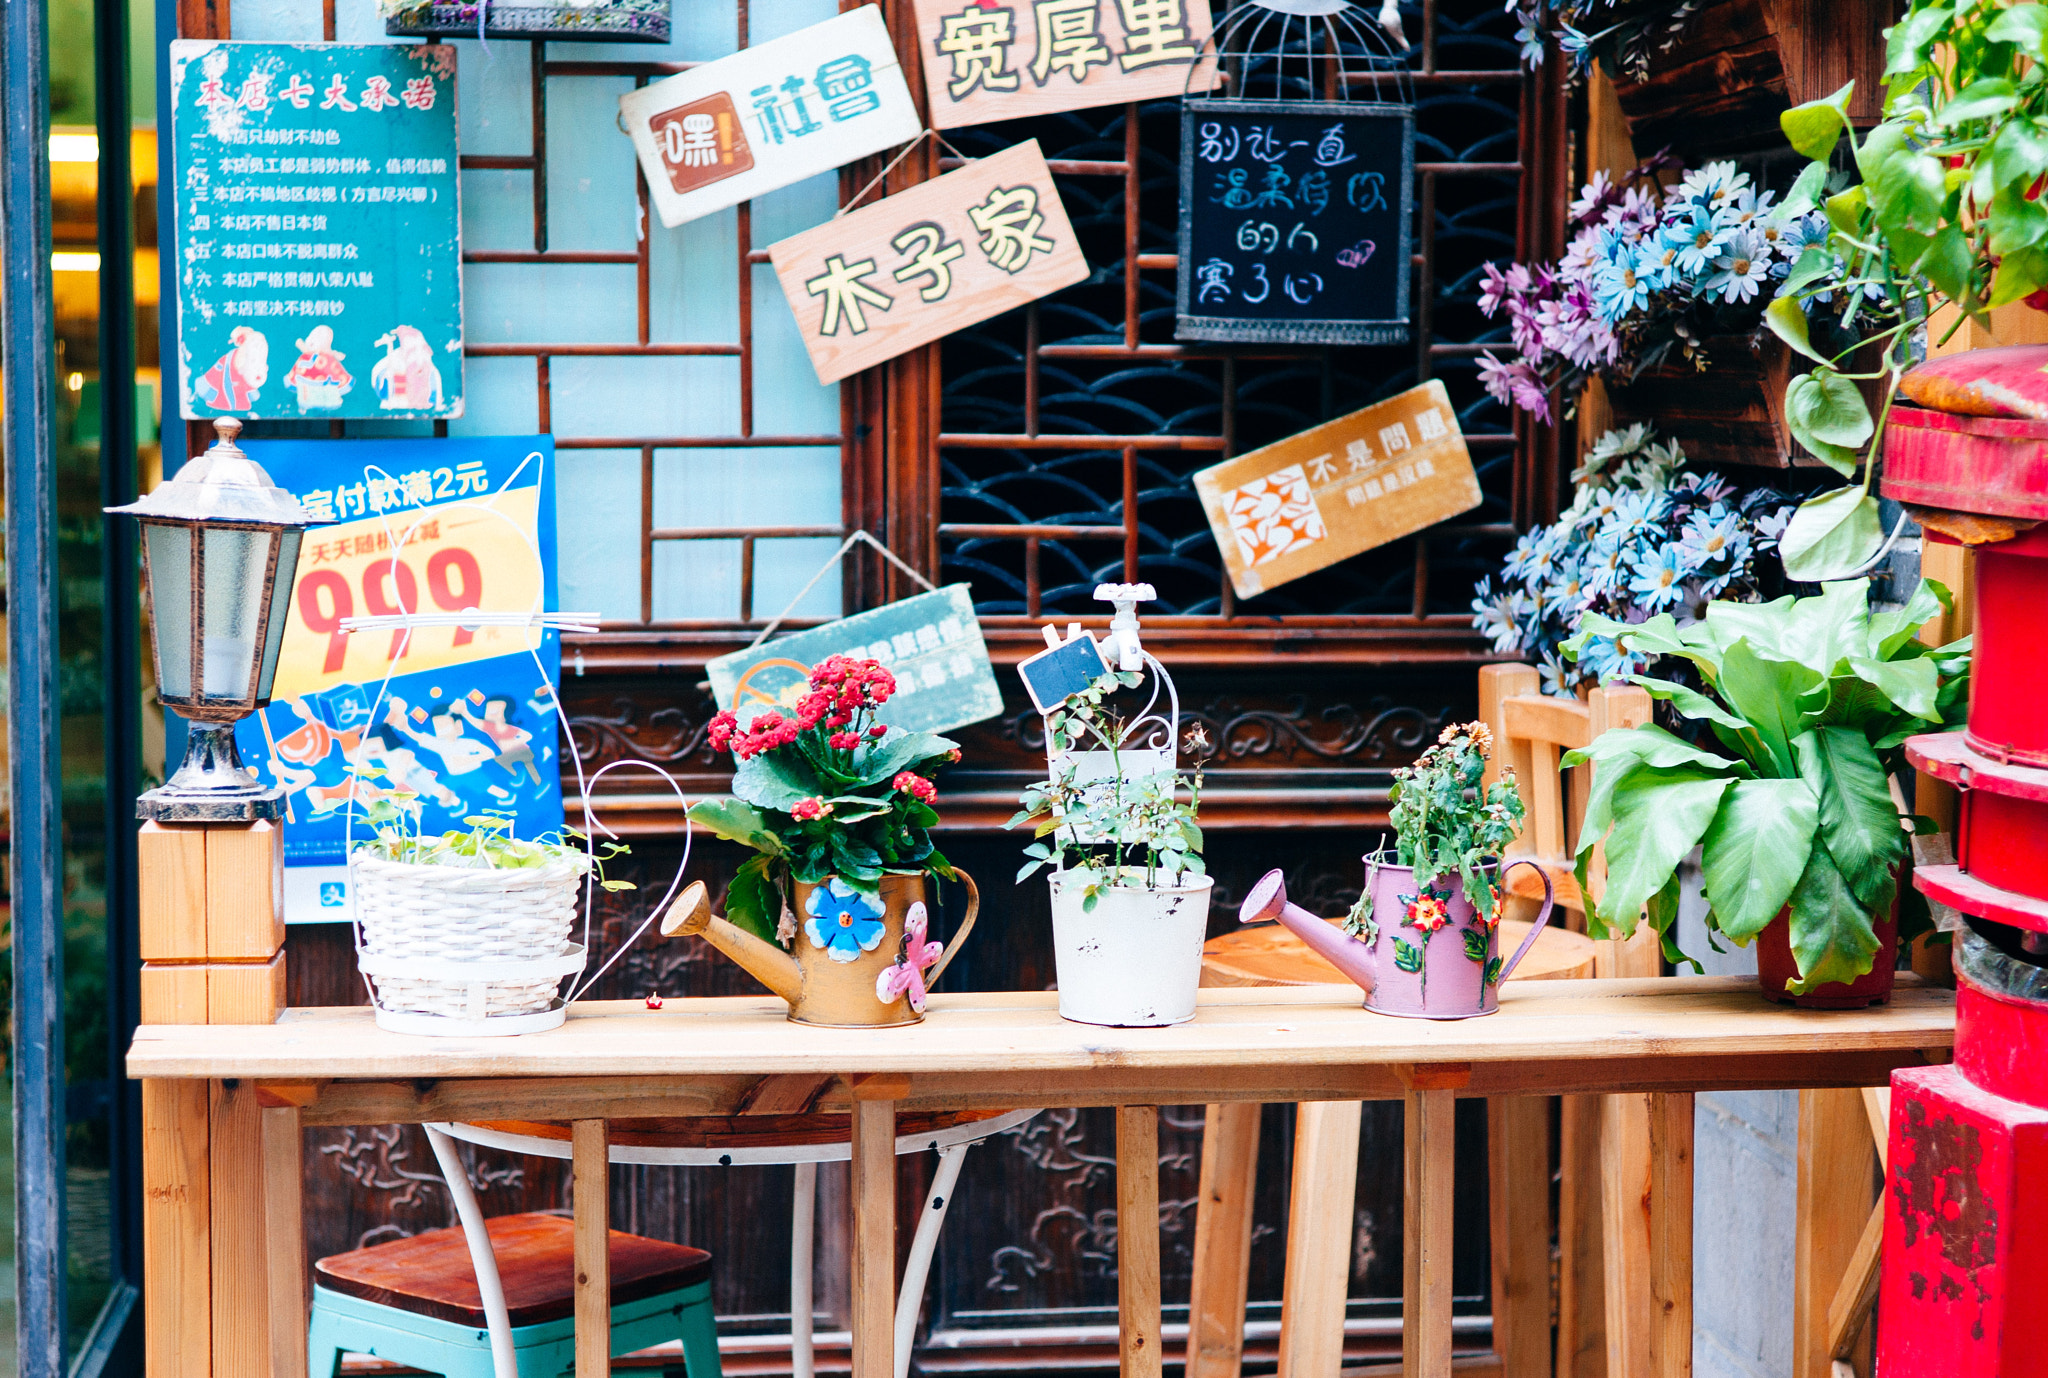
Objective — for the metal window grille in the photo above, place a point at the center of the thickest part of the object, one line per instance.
(1070, 428)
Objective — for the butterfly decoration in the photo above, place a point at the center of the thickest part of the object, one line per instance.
(906, 974)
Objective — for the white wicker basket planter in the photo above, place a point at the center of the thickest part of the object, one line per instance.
(451, 950)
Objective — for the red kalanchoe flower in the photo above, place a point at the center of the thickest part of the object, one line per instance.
(844, 741)
(811, 707)
(838, 720)
(720, 731)
(916, 786)
(878, 731)
(804, 810)
(881, 685)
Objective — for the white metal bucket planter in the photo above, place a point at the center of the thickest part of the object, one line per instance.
(1135, 958)
(466, 952)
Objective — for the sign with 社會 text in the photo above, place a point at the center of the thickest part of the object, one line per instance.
(1004, 59)
(926, 262)
(317, 230)
(466, 723)
(1294, 221)
(770, 115)
(931, 642)
(1306, 502)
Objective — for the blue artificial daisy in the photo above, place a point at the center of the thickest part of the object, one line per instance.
(1659, 580)
(1699, 242)
(1621, 290)
(843, 920)
(1494, 617)
(1715, 536)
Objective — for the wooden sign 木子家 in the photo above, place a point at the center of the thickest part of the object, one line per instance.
(770, 115)
(1306, 502)
(1004, 59)
(926, 262)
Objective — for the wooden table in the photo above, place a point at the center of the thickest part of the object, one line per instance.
(1669, 1037)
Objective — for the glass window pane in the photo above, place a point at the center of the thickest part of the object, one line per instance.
(170, 593)
(280, 604)
(233, 606)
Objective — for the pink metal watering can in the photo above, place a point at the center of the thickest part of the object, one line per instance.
(1425, 952)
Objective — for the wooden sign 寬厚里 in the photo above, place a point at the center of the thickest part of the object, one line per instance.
(1306, 502)
(770, 115)
(926, 262)
(1004, 59)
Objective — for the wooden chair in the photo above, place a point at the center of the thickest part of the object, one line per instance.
(1319, 1239)
(1604, 1229)
(418, 1301)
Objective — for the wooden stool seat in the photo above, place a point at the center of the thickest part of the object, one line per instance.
(1269, 955)
(1523, 883)
(430, 1274)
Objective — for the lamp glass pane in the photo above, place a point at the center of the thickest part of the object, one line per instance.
(231, 630)
(280, 606)
(170, 601)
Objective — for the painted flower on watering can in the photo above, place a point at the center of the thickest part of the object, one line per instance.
(1427, 911)
(842, 920)
(906, 975)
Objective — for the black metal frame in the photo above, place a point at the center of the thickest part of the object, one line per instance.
(36, 829)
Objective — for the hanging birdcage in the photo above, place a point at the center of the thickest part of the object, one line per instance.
(1297, 183)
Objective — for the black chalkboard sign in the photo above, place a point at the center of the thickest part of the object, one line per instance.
(1294, 221)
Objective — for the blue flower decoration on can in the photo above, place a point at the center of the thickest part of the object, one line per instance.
(842, 920)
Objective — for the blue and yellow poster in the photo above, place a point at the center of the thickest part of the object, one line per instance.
(317, 230)
(466, 721)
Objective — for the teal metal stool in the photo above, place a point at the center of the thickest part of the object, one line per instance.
(416, 1301)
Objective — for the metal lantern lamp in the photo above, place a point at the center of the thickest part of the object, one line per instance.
(220, 546)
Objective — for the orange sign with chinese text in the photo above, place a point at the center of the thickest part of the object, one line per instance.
(1306, 502)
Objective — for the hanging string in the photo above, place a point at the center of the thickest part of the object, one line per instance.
(908, 149)
(836, 557)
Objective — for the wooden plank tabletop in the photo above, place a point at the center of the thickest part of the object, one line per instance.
(1291, 1043)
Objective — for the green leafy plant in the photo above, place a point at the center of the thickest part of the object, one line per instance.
(826, 792)
(1447, 821)
(1810, 701)
(1098, 825)
(485, 842)
(1944, 205)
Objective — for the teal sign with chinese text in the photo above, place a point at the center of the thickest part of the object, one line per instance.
(317, 230)
(931, 642)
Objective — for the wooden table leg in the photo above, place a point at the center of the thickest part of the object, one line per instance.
(1670, 1322)
(1319, 1233)
(1625, 1219)
(284, 1211)
(874, 1239)
(176, 1231)
(1430, 1179)
(1518, 1197)
(1581, 1279)
(1223, 1240)
(239, 1239)
(1137, 1240)
(590, 1150)
(1837, 1165)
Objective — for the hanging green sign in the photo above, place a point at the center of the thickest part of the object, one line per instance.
(317, 230)
(931, 642)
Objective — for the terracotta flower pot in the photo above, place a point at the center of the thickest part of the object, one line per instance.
(1776, 968)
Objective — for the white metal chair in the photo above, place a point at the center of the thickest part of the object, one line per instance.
(712, 1143)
